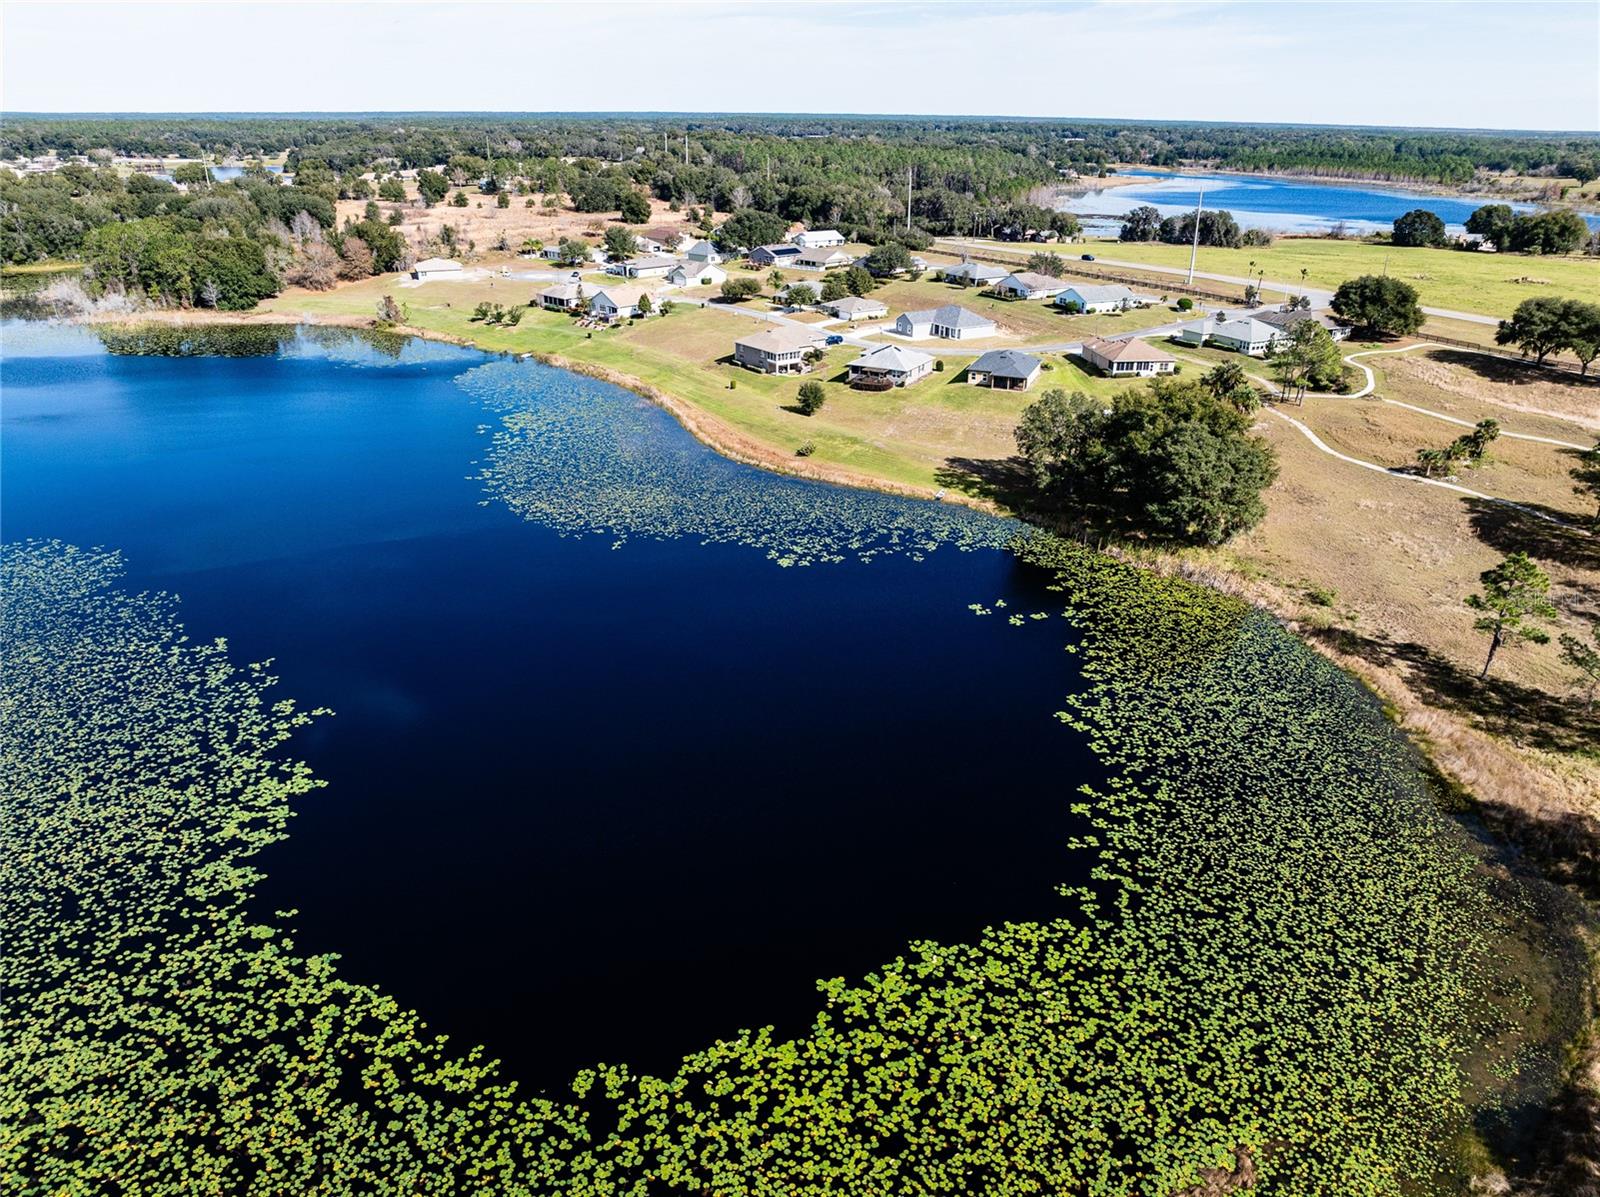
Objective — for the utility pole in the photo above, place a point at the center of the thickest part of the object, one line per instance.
(1194, 250)
(686, 149)
(909, 169)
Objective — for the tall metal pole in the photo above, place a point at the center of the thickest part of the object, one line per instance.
(909, 169)
(1194, 250)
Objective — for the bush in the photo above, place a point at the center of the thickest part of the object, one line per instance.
(812, 397)
(938, 365)
(1185, 304)
(805, 450)
(737, 290)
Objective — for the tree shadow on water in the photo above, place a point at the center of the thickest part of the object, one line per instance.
(1510, 529)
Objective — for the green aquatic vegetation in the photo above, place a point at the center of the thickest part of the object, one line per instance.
(1283, 951)
(571, 456)
(195, 340)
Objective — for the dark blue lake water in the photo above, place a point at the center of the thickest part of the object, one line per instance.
(584, 802)
(1281, 205)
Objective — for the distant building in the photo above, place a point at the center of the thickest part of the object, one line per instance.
(972, 274)
(818, 238)
(950, 322)
(562, 297)
(1244, 334)
(1113, 297)
(1127, 359)
(436, 268)
(697, 274)
(774, 255)
(780, 349)
(1025, 284)
(894, 364)
(703, 251)
(1005, 370)
(650, 267)
(856, 307)
(820, 259)
(616, 303)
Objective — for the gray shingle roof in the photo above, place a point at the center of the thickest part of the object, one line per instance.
(1007, 363)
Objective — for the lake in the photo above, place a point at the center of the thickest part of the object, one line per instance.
(1265, 202)
(589, 797)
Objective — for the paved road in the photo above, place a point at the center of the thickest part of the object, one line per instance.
(1319, 298)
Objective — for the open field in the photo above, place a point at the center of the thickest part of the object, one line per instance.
(1444, 278)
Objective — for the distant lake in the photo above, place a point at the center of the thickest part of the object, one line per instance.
(222, 174)
(586, 799)
(1266, 202)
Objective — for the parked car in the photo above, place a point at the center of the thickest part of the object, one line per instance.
(1088, 257)
(835, 339)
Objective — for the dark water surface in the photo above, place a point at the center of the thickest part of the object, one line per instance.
(583, 802)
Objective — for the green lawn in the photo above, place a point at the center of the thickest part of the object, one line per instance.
(1445, 278)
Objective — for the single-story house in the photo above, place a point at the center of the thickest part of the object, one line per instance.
(1025, 284)
(551, 252)
(436, 268)
(891, 363)
(820, 259)
(951, 322)
(648, 245)
(1127, 359)
(617, 303)
(856, 307)
(561, 297)
(1005, 370)
(972, 274)
(651, 267)
(1287, 320)
(778, 350)
(1245, 334)
(703, 251)
(697, 274)
(1111, 297)
(818, 238)
(774, 255)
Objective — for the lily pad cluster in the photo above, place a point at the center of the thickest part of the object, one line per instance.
(583, 457)
(1282, 961)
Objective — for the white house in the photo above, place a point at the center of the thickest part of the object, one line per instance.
(818, 238)
(1127, 359)
(780, 349)
(617, 303)
(703, 251)
(856, 307)
(774, 255)
(1243, 335)
(1025, 284)
(972, 274)
(950, 322)
(697, 274)
(561, 297)
(651, 267)
(1112, 297)
(436, 268)
(1287, 321)
(1005, 370)
(894, 364)
(820, 259)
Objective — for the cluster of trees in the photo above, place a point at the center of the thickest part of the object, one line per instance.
(1169, 460)
(496, 314)
(1218, 228)
(1557, 232)
(1546, 325)
(1308, 360)
(1468, 448)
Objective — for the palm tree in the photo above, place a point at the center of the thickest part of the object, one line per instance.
(775, 279)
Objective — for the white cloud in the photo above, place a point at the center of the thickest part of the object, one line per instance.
(1497, 65)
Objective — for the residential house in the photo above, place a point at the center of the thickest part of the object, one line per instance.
(436, 268)
(1244, 334)
(703, 251)
(697, 274)
(562, 297)
(820, 259)
(856, 307)
(818, 238)
(1127, 359)
(1111, 297)
(950, 322)
(893, 364)
(1005, 370)
(780, 349)
(1025, 284)
(774, 255)
(651, 267)
(617, 303)
(972, 274)
(1287, 321)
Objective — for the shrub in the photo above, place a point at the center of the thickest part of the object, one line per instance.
(805, 450)
(938, 365)
(1185, 304)
(812, 397)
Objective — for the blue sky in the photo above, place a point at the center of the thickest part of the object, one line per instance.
(1462, 64)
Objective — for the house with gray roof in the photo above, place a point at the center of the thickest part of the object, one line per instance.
(951, 322)
(892, 364)
(780, 349)
(818, 238)
(1288, 320)
(562, 297)
(703, 251)
(972, 274)
(856, 307)
(1005, 370)
(1026, 284)
(1243, 334)
(1087, 297)
(821, 258)
(774, 255)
